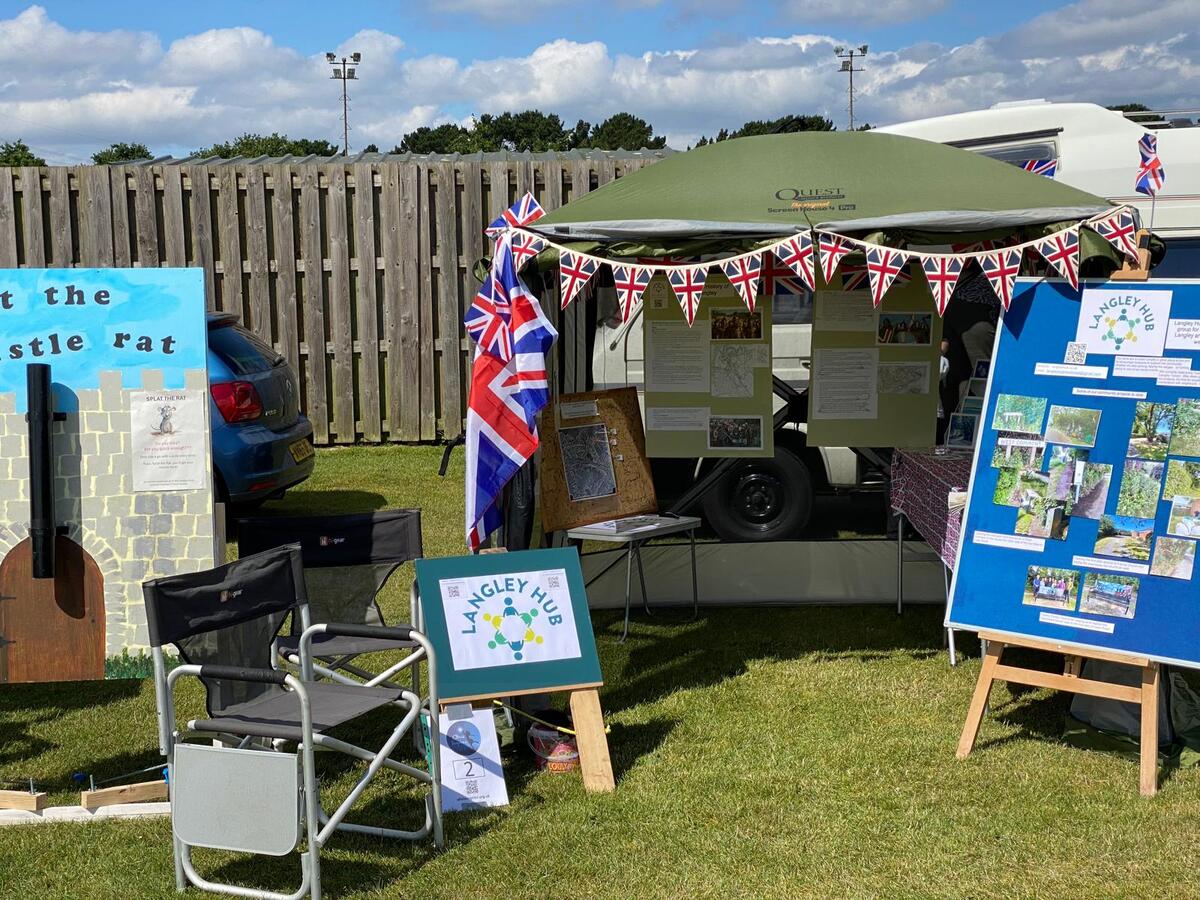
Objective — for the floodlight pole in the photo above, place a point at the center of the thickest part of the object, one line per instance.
(847, 57)
(344, 71)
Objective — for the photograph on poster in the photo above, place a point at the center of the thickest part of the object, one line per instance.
(1021, 487)
(912, 329)
(1017, 413)
(735, 432)
(1066, 466)
(1044, 517)
(962, 430)
(1093, 493)
(1141, 486)
(1015, 450)
(972, 406)
(982, 368)
(736, 325)
(1184, 520)
(587, 462)
(1125, 537)
(977, 387)
(903, 378)
(1183, 480)
(1151, 431)
(1173, 558)
(1055, 588)
(1072, 425)
(1109, 595)
(1185, 432)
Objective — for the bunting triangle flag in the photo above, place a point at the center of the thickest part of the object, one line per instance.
(525, 247)
(855, 277)
(833, 248)
(743, 273)
(1001, 269)
(1061, 250)
(574, 271)
(630, 283)
(883, 265)
(688, 285)
(941, 274)
(1120, 230)
(521, 213)
(797, 254)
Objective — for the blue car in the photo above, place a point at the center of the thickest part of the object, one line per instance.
(262, 444)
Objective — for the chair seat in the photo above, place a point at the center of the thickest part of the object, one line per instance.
(277, 715)
(328, 646)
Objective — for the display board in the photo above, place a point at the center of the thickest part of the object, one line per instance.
(708, 386)
(127, 351)
(1084, 509)
(874, 371)
(593, 460)
(505, 624)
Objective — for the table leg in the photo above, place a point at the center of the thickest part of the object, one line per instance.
(695, 584)
(899, 563)
(642, 578)
(628, 589)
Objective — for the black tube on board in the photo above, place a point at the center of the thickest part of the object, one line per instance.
(41, 469)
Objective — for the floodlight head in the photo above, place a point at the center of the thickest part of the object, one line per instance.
(863, 49)
(350, 73)
(330, 57)
(845, 65)
(357, 57)
(839, 50)
(335, 74)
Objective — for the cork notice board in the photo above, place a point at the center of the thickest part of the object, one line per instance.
(581, 432)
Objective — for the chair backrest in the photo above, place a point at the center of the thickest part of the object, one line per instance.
(347, 558)
(228, 616)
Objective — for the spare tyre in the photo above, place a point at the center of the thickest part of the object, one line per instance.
(761, 499)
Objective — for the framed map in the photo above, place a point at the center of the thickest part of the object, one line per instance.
(587, 461)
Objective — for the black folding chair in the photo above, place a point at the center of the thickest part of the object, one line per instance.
(255, 796)
(347, 561)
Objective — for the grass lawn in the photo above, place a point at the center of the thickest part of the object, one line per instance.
(758, 752)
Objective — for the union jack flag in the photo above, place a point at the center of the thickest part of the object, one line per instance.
(779, 279)
(1120, 230)
(688, 285)
(521, 213)
(574, 272)
(1045, 167)
(1001, 269)
(743, 273)
(630, 283)
(1062, 252)
(833, 248)
(1150, 174)
(525, 247)
(488, 320)
(797, 254)
(883, 265)
(856, 278)
(502, 407)
(941, 274)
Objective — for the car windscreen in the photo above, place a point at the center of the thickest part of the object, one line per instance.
(240, 350)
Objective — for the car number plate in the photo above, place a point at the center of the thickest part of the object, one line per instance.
(301, 450)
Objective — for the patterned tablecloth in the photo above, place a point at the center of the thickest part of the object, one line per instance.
(921, 484)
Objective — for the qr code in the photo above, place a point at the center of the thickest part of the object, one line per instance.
(553, 582)
(471, 788)
(1076, 353)
(453, 591)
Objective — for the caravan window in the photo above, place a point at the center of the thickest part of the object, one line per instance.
(1021, 153)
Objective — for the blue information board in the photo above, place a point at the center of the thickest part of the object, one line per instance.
(1083, 515)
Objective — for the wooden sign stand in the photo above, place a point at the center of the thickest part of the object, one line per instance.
(1145, 696)
(1141, 270)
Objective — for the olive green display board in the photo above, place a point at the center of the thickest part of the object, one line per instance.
(875, 372)
(708, 387)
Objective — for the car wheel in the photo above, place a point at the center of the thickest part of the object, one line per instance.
(761, 499)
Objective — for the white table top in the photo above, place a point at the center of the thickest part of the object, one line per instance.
(644, 528)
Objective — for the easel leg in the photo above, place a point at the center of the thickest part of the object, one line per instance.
(1149, 742)
(979, 699)
(594, 761)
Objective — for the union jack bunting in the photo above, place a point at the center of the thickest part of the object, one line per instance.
(941, 274)
(1150, 174)
(779, 279)
(797, 254)
(1062, 252)
(743, 273)
(1120, 230)
(490, 314)
(1001, 269)
(1045, 167)
(525, 247)
(521, 213)
(833, 248)
(856, 278)
(574, 272)
(502, 408)
(883, 265)
(688, 285)
(630, 283)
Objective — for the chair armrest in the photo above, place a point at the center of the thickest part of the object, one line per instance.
(347, 629)
(238, 673)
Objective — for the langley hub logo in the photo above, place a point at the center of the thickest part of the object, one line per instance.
(1129, 322)
(508, 619)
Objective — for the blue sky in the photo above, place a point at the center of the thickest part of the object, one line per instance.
(75, 76)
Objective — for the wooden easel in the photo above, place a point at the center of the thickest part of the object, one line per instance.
(1141, 270)
(1145, 696)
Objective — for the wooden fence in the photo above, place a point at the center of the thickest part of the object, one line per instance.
(357, 271)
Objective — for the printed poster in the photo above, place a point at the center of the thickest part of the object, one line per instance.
(472, 774)
(169, 440)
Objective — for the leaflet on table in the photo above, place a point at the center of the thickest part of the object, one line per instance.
(677, 358)
(628, 525)
(845, 310)
(845, 384)
(676, 418)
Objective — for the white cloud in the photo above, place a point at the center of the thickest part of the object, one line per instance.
(863, 12)
(211, 86)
